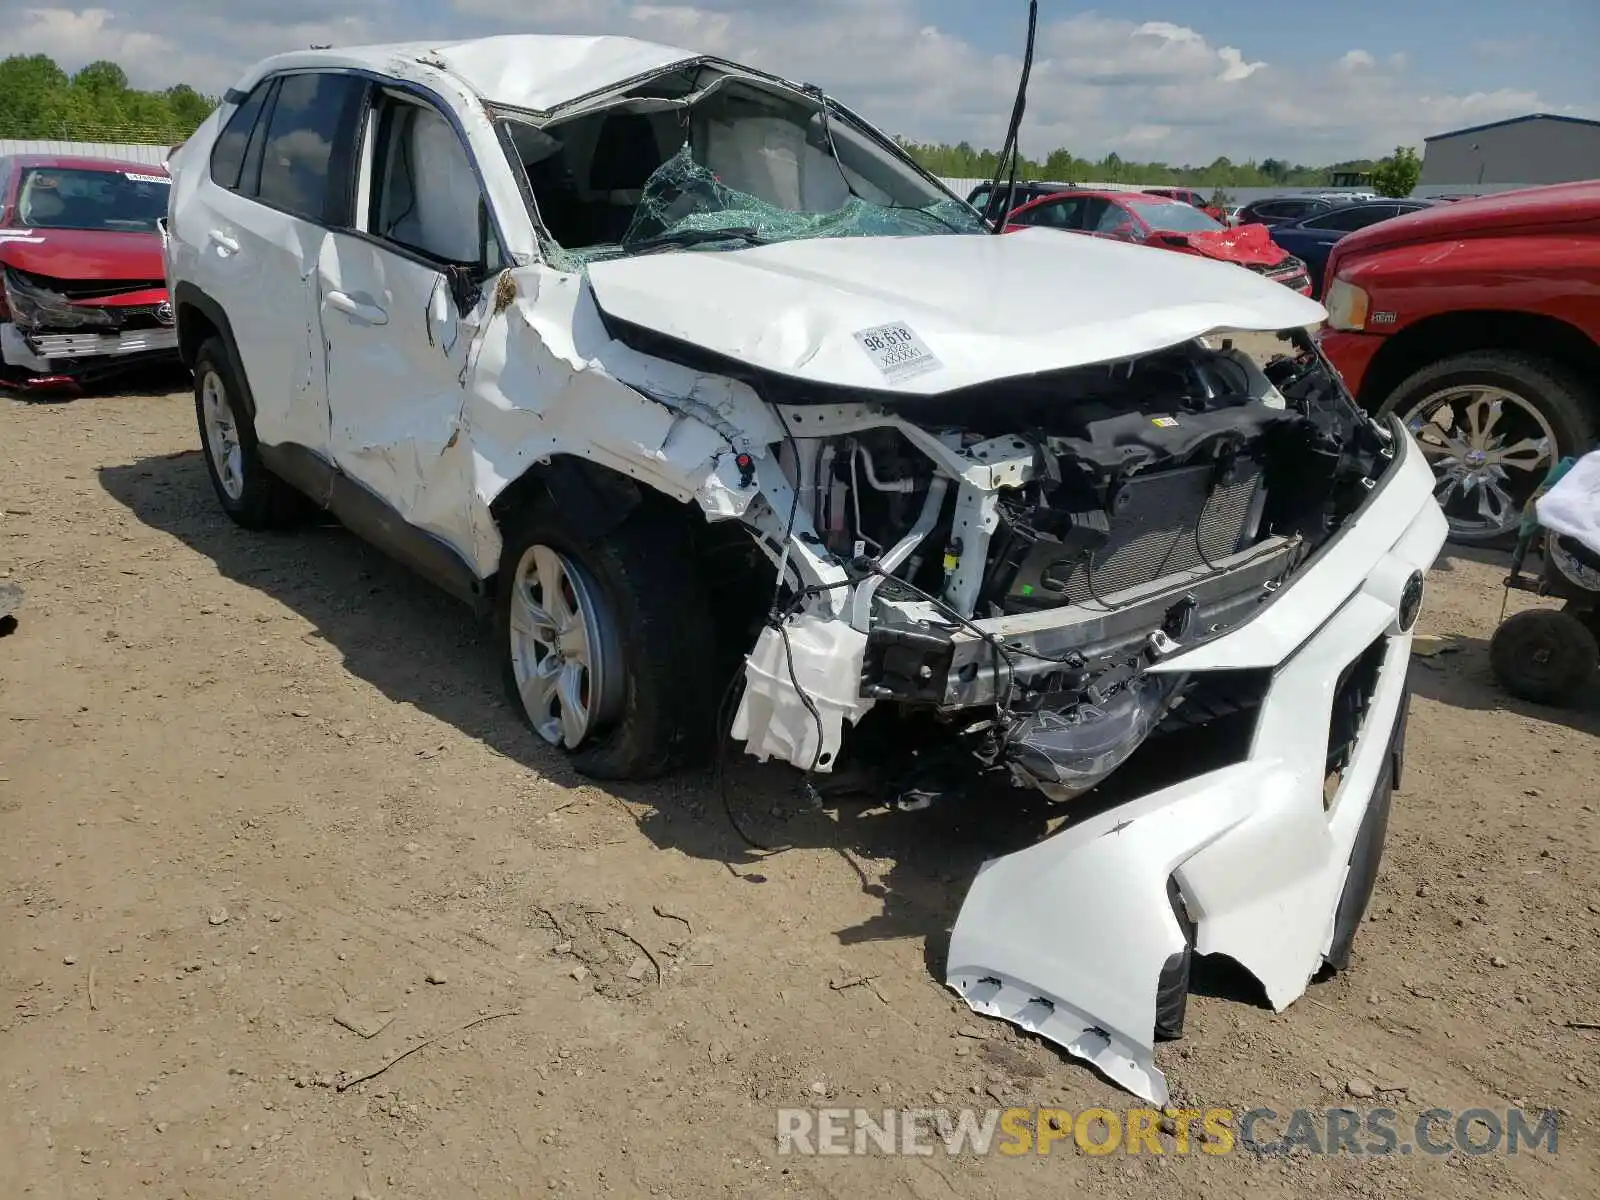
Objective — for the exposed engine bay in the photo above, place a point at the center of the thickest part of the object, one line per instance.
(1015, 557)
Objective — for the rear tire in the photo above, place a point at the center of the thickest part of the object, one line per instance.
(1537, 398)
(1543, 655)
(247, 490)
(641, 672)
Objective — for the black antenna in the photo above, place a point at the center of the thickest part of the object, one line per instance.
(1008, 161)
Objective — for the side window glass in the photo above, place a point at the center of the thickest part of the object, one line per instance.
(228, 154)
(1113, 220)
(1340, 220)
(1093, 211)
(1063, 214)
(304, 164)
(425, 194)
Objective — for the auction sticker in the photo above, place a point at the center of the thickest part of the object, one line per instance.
(897, 352)
(146, 178)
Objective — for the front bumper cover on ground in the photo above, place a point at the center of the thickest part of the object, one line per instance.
(1070, 938)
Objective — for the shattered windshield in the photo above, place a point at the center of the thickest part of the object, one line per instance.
(727, 162)
(684, 204)
(120, 201)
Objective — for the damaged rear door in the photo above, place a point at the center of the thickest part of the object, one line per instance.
(268, 205)
(398, 293)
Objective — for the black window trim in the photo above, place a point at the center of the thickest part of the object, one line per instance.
(349, 183)
(255, 147)
(270, 84)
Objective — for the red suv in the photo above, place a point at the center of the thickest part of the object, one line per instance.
(1478, 322)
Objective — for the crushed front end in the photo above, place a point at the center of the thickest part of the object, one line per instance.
(56, 332)
(1034, 580)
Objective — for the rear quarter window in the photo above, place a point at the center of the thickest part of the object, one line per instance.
(227, 155)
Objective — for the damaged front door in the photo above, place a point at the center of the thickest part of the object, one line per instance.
(398, 316)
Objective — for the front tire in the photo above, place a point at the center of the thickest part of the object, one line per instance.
(247, 490)
(1492, 423)
(609, 651)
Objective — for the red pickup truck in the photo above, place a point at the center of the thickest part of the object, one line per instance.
(1479, 323)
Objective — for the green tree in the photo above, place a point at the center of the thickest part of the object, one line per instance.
(38, 100)
(31, 88)
(1397, 175)
(1059, 166)
(188, 106)
(101, 79)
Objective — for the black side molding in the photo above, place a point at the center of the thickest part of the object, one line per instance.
(372, 519)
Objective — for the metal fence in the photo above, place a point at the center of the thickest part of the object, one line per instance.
(156, 154)
(1245, 195)
(139, 152)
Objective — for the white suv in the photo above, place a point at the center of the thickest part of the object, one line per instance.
(710, 394)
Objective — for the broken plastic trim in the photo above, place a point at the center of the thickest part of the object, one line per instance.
(35, 307)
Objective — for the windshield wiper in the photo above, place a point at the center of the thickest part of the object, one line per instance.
(697, 237)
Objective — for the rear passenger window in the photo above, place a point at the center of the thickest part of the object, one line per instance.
(305, 162)
(227, 156)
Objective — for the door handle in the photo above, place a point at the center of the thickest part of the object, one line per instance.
(228, 245)
(357, 310)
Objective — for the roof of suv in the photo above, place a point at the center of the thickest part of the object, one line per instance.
(523, 70)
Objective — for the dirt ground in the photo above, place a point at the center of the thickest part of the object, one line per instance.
(251, 786)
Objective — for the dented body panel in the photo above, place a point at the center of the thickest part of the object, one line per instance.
(81, 287)
(1002, 488)
(1259, 858)
(995, 305)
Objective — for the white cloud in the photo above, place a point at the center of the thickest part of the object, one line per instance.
(1155, 89)
(1235, 68)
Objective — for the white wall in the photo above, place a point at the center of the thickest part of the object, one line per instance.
(153, 155)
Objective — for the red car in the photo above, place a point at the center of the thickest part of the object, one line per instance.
(1478, 322)
(1188, 196)
(84, 281)
(1168, 224)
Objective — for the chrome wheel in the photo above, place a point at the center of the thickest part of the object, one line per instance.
(1489, 449)
(222, 435)
(564, 648)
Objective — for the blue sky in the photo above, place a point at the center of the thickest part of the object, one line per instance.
(1310, 82)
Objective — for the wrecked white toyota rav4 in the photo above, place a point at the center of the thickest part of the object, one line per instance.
(717, 401)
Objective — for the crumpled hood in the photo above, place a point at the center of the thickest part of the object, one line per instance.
(925, 315)
(1247, 245)
(83, 253)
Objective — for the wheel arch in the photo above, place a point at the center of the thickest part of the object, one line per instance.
(199, 317)
(1447, 334)
(592, 498)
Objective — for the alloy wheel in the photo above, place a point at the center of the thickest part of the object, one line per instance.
(565, 648)
(1489, 449)
(222, 435)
